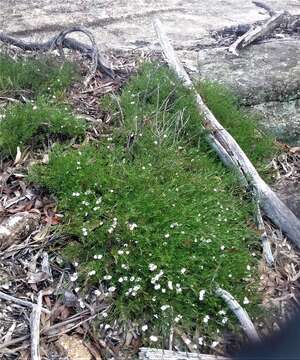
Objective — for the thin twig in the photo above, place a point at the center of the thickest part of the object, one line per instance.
(35, 328)
(240, 313)
(15, 300)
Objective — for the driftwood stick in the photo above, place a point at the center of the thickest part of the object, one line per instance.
(35, 328)
(159, 354)
(223, 143)
(258, 32)
(240, 313)
(59, 42)
(265, 7)
(21, 302)
(267, 251)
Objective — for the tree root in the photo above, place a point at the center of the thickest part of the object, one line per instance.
(60, 41)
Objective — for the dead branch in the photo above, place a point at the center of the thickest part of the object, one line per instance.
(257, 32)
(60, 41)
(264, 6)
(240, 313)
(35, 328)
(159, 354)
(21, 302)
(230, 152)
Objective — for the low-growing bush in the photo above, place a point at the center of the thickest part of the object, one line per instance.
(35, 124)
(154, 219)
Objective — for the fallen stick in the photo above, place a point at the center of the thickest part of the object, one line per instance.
(59, 42)
(230, 152)
(240, 313)
(21, 302)
(256, 32)
(35, 319)
(159, 354)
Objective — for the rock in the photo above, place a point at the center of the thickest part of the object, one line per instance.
(266, 76)
(73, 348)
(17, 227)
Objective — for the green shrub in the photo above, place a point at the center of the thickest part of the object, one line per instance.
(42, 75)
(34, 123)
(153, 197)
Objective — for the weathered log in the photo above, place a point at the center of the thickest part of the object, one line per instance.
(230, 152)
(159, 354)
(240, 313)
(59, 42)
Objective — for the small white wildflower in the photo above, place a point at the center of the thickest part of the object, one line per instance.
(74, 277)
(201, 295)
(77, 289)
(155, 142)
(121, 280)
(132, 226)
(224, 320)
(76, 194)
(178, 318)
(120, 252)
(81, 303)
(97, 292)
(136, 287)
(98, 257)
(221, 312)
(105, 314)
(84, 232)
(163, 291)
(124, 266)
(246, 300)
(132, 278)
(170, 285)
(127, 252)
(91, 273)
(107, 277)
(144, 328)
(222, 247)
(173, 225)
(200, 341)
(157, 286)
(111, 289)
(183, 270)
(34, 107)
(153, 338)
(75, 263)
(248, 267)
(206, 318)
(167, 236)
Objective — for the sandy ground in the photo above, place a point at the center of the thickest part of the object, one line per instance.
(123, 24)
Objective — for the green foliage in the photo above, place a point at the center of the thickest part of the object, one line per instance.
(42, 75)
(154, 217)
(36, 122)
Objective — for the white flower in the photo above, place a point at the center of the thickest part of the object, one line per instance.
(84, 232)
(221, 312)
(246, 300)
(248, 267)
(97, 292)
(120, 252)
(224, 320)
(163, 291)
(98, 257)
(167, 236)
(214, 344)
(200, 341)
(153, 338)
(121, 280)
(124, 266)
(170, 285)
(183, 270)
(201, 295)
(77, 289)
(206, 318)
(165, 307)
(91, 273)
(178, 318)
(173, 225)
(132, 226)
(157, 286)
(107, 277)
(136, 287)
(104, 314)
(144, 328)
(74, 277)
(222, 247)
(76, 194)
(111, 289)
